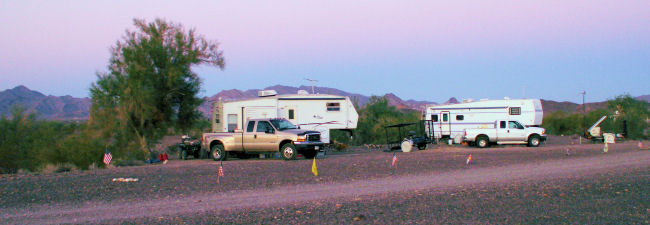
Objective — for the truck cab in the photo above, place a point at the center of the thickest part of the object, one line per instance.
(505, 132)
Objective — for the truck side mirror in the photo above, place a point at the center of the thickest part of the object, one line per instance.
(269, 130)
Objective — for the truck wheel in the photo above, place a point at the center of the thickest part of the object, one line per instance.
(218, 154)
(533, 140)
(482, 142)
(183, 154)
(288, 151)
(422, 146)
(310, 154)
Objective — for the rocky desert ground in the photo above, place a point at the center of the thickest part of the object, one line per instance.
(560, 182)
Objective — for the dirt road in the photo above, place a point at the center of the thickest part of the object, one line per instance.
(283, 195)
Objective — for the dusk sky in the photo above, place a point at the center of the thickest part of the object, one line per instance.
(422, 50)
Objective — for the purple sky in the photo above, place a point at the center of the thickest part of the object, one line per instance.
(423, 50)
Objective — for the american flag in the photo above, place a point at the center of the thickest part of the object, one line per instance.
(107, 157)
(394, 159)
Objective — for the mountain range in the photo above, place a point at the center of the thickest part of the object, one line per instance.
(71, 108)
(47, 107)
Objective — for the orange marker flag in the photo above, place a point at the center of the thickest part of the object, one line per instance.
(220, 172)
(469, 159)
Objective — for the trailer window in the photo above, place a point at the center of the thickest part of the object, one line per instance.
(232, 122)
(251, 124)
(434, 118)
(502, 124)
(291, 114)
(460, 117)
(445, 117)
(515, 110)
(333, 106)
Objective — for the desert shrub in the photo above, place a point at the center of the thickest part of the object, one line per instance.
(27, 143)
(339, 146)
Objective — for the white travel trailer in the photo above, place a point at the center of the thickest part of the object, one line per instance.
(319, 112)
(450, 121)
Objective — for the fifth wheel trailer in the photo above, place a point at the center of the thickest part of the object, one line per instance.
(450, 121)
(319, 112)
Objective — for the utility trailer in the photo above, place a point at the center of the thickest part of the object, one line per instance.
(450, 121)
(405, 136)
(319, 112)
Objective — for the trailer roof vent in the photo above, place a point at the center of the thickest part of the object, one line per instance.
(468, 100)
(484, 99)
(303, 92)
(267, 93)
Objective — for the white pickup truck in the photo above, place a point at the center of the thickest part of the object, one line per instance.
(505, 132)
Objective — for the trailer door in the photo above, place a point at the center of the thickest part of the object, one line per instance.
(445, 124)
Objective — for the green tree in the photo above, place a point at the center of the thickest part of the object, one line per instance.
(373, 117)
(631, 112)
(150, 86)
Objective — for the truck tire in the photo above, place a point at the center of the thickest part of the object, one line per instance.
(310, 154)
(288, 151)
(533, 140)
(482, 142)
(183, 154)
(422, 146)
(217, 153)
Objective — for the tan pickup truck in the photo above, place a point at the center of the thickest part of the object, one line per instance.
(263, 136)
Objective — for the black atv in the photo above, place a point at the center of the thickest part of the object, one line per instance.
(190, 146)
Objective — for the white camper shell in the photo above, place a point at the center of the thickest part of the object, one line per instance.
(450, 121)
(319, 112)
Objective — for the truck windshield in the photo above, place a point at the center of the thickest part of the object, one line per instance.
(282, 124)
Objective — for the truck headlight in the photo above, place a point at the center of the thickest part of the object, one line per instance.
(302, 138)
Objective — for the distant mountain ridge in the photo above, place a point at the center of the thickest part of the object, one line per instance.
(48, 107)
(71, 108)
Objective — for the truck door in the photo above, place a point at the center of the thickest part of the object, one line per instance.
(517, 132)
(266, 137)
(510, 131)
(445, 124)
(502, 130)
(249, 137)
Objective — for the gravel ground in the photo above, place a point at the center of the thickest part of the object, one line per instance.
(185, 179)
(608, 198)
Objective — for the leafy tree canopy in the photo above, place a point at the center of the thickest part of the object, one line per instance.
(150, 86)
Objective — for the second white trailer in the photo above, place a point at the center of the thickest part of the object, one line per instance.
(450, 121)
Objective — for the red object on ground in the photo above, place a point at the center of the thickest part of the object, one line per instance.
(162, 157)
